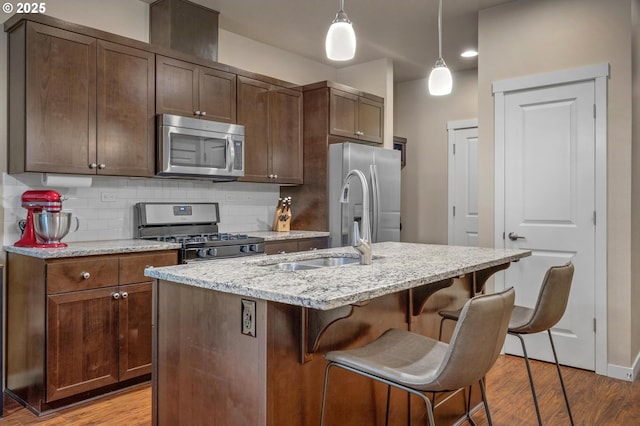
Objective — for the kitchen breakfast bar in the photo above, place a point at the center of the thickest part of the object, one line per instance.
(241, 341)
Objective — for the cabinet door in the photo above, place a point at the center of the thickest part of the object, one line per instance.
(176, 87)
(285, 122)
(82, 342)
(217, 94)
(343, 114)
(370, 119)
(253, 113)
(135, 330)
(126, 111)
(60, 101)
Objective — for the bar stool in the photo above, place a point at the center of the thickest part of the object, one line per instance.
(549, 309)
(419, 364)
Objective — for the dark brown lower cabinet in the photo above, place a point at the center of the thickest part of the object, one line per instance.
(78, 327)
(291, 246)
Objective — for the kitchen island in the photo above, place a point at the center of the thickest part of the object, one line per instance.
(240, 341)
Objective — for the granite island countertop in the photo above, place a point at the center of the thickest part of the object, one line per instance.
(396, 267)
(93, 248)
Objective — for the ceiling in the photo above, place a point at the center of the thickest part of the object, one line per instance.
(405, 31)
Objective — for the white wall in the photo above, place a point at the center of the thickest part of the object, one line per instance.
(422, 119)
(535, 36)
(243, 206)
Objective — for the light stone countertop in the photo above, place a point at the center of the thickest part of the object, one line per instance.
(93, 248)
(289, 235)
(396, 267)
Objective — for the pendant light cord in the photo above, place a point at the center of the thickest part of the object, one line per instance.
(439, 30)
(341, 5)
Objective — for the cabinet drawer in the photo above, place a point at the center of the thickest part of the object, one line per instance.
(132, 266)
(281, 247)
(87, 273)
(313, 244)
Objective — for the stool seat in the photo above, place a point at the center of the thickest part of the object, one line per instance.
(402, 356)
(418, 364)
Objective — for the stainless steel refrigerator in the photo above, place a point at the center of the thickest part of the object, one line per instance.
(381, 168)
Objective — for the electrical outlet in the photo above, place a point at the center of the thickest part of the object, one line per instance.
(249, 317)
(107, 197)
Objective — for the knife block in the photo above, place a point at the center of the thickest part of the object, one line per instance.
(282, 220)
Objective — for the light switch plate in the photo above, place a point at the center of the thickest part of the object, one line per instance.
(249, 317)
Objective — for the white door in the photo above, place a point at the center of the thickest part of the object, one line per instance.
(463, 186)
(549, 202)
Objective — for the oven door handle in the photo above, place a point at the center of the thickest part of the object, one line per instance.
(231, 153)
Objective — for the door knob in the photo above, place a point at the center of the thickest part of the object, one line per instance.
(513, 236)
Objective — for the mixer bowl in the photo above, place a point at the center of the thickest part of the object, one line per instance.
(51, 227)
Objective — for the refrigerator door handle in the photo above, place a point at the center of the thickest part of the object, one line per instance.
(375, 189)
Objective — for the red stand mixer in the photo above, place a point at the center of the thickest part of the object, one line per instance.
(38, 202)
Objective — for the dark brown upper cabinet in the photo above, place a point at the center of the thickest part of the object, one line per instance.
(78, 104)
(354, 116)
(191, 90)
(272, 116)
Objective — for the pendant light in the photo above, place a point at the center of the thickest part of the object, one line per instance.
(340, 43)
(440, 80)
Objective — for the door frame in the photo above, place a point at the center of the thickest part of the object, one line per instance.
(598, 74)
(452, 126)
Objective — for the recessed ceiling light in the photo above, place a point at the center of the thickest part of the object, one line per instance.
(470, 53)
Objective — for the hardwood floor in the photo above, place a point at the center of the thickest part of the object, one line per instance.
(595, 401)
(130, 408)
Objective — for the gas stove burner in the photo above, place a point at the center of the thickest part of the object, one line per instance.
(195, 227)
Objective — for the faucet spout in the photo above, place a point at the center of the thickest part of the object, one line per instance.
(361, 240)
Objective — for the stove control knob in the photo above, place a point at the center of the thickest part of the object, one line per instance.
(253, 248)
(202, 252)
(244, 249)
(213, 251)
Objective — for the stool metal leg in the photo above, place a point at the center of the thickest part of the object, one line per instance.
(440, 332)
(324, 391)
(469, 407)
(564, 391)
(533, 389)
(484, 400)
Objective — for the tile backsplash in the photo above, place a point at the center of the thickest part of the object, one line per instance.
(105, 209)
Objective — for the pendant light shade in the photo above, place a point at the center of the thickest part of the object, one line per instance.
(340, 43)
(440, 80)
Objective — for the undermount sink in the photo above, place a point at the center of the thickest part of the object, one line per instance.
(322, 262)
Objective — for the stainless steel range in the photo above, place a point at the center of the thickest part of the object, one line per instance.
(195, 226)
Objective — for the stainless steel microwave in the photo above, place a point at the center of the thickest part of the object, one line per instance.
(201, 148)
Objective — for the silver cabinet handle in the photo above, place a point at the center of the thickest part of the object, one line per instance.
(85, 275)
(196, 113)
(102, 166)
(93, 165)
(203, 113)
(275, 176)
(124, 294)
(116, 296)
(513, 236)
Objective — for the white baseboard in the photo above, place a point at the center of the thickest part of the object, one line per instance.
(628, 374)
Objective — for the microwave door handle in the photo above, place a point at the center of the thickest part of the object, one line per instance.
(231, 154)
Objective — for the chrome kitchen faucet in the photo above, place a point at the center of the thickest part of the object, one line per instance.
(360, 243)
